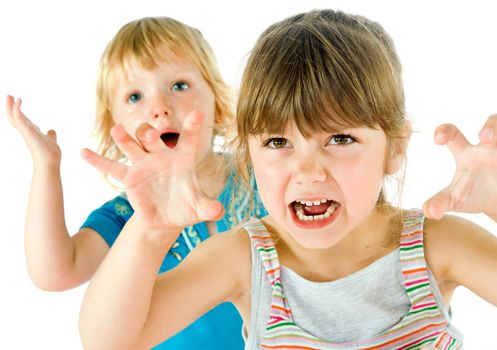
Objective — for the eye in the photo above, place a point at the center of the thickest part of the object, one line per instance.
(134, 97)
(276, 142)
(180, 86)
(341, 139)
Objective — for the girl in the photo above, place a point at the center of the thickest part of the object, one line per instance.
(154, 70)
(321, 123)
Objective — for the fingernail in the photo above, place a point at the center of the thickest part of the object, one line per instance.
(486, 135)
(439, 138)
(435, 209)
(150, 135)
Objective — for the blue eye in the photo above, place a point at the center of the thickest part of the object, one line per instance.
(134, 98)
(276, 143)
(341, 139)
(180, 86)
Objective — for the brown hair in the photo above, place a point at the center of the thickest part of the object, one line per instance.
(324, 70)
(145, 41)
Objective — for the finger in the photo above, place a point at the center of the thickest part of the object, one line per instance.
(130, 148)
(9, 104)
(26, 127)
(115, 169)
(52, 134)
(189, 136)
(489, 131)
(13, 110)
(209, 210)
(438, 205)
(149, 137)
(451, 136)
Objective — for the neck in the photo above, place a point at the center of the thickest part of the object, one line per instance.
(374, 238)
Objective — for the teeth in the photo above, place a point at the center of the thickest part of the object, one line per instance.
(300, 214)
(311, 203)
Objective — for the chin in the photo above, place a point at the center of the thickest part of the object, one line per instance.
(317, 243)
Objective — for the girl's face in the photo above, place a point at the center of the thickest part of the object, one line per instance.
(163, 97)
(321, 188)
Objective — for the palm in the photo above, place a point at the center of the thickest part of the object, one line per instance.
(473, 188)
(161, 184)
(162, 188)
(43, 147)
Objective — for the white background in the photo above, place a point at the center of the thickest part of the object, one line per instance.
(49, 55)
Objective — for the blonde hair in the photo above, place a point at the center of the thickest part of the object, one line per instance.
(324, 70)
(144, 41)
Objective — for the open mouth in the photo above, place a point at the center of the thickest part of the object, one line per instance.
(317, 211)
(170, 139)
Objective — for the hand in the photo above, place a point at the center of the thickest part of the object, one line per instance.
(474, 186)
(161, 184)
(43, 147)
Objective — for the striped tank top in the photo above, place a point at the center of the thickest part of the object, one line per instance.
(424, 326)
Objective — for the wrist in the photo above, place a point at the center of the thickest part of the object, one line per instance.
(155, 235)
(49, 168)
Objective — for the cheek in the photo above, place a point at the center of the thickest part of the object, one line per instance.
(361, 181)
(271, 180)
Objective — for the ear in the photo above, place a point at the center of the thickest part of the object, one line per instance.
(397, 150)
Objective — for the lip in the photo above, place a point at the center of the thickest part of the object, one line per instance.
(168, 130)
(314, 224)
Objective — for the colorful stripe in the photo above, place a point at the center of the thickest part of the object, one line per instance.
(423, 325)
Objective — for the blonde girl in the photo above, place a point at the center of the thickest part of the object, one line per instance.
(155, 70)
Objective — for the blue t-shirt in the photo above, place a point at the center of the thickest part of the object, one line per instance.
(220, 328)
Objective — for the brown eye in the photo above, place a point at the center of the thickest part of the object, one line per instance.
(341, 139)
(276, 142)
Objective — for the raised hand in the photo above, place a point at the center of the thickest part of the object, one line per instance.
(161, 183)
(474, 186)
(43, 147)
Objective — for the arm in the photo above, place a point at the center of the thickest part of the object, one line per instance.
(465, 253)
(461, 253)
(126, 304)
(55, 261)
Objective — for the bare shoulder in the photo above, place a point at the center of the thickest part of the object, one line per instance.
(230, 253)
(234, 242)
(459, 251)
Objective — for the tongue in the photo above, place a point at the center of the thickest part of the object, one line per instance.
(316, 209)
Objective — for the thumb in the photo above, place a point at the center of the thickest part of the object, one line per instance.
(209, 210)
(436, 206)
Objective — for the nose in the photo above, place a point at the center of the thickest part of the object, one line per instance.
(309, 169)
(160, 107)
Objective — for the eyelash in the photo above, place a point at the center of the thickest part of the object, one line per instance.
(349, 140)
(267, 142)
(183, 83)
(134, 94)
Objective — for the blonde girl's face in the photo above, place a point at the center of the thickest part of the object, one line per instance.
(321, 188)
(163, 97)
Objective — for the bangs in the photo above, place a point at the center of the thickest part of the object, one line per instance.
(323, 77)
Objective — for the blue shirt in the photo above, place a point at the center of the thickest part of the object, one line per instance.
(221, 327)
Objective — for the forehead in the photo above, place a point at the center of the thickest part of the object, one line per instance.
(168, 63)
